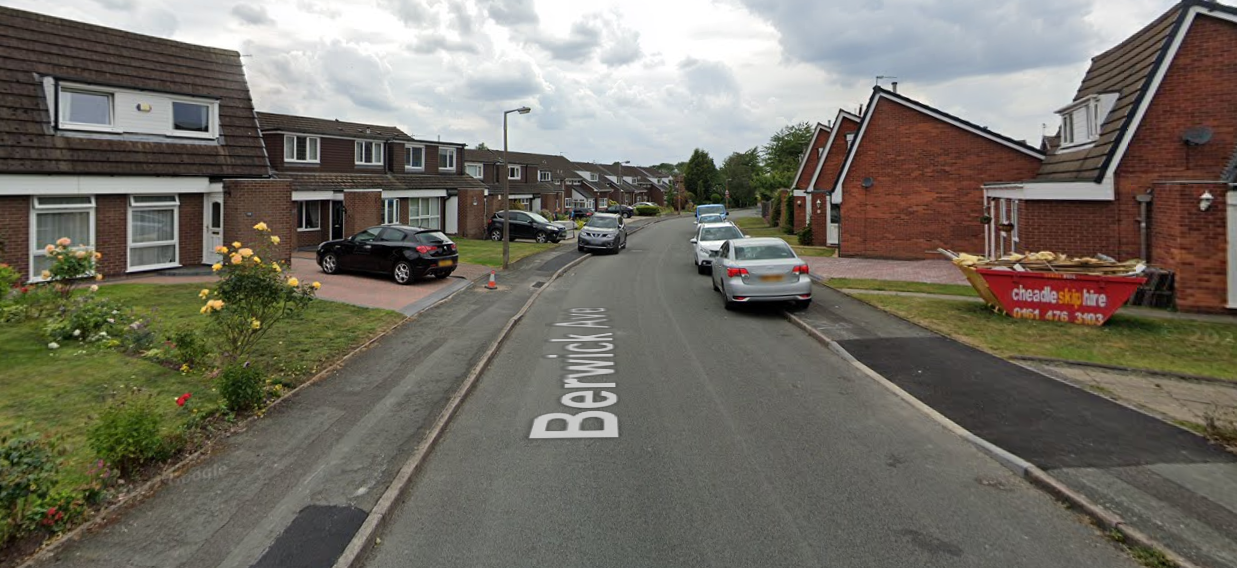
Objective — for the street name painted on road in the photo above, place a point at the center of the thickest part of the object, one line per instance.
(589, 356)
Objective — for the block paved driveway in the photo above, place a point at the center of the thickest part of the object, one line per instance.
(930, 271)
(374, 290)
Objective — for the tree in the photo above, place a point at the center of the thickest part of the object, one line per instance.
(700, 175)
(666, 168)
(785, 149)
(739, 173)
(482, 146)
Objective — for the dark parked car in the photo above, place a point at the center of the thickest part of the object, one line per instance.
(603, 231)
(581, 213)
(525, 225)
(406, 253)
(624, 210)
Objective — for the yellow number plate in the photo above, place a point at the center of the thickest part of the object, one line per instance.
(771, 278)
(446, 262)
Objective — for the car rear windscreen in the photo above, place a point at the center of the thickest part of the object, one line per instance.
(763, 252)
(719, 233)
(433, 238)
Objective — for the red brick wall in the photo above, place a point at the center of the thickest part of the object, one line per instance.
(1192, 243)
(364, 210)
(800, 213)
(1077, 228)
(247, 202)
(192, 227)
(322, 234)
(472, 217)
(927, 191)
(274, 149)
(813, 158)
(837, 154)
(550, 202)
(112, 233)
(15, 233)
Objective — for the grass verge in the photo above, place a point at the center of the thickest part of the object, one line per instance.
(756, 227)
(1180, 346)
(490, 253)
(901, 286)
(59, 391)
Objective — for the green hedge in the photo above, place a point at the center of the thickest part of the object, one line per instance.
(648, 211)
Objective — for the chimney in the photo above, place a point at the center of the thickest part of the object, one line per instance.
(895, 87)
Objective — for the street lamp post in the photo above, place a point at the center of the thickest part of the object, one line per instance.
(507, 189)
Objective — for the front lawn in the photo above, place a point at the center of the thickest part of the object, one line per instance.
(756, 227)
(59, 391)
(901, 286)
(490, 253)
(1181, 346)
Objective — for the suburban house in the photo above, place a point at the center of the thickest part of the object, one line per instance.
(346, 176)
(824, 214)
(1146, 160)
(909, 183)
(812, 156)
(599, 182)
(142, 149)
(625, 178)
(655, 185)
(536, 181)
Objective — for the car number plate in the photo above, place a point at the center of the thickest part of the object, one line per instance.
(771, 278)
(446, 262)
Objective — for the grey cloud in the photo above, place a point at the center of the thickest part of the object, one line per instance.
(579, 45)
(360, 77)
(252, 15)
(322, 9)
(928, 41)
(461, 17)
(434, 42)
(598, 34)
(414, 13)
(123, 5)
(709, 78)
(624, 50)
(504, 82)
(511, 13)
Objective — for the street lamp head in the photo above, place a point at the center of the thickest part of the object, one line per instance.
(524, 110)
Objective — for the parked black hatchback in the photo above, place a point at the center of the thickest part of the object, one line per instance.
(524, 225)
(406, 253)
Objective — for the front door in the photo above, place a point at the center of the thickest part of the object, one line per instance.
(337, 220)
(835, 223)
(213, 223)
(1231, 200)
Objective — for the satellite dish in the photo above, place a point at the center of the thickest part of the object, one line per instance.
(867, 182)
(1197, 135)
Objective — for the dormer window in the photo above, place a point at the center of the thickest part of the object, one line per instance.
(85, 108)
(368, 153)
(515, 172)
(1082, 121)
(592, 176)
(543, 176)
(114, 110)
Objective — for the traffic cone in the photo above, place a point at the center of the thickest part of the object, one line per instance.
(491, 285)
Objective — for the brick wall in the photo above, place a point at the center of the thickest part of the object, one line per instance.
(364, 210)
(247, 202)
(15, 233)
(112, 233)
(800, 213)
(813, 158)
(927, 192)
(322, 234)
(192, 228)
(472, 217)
(550, 201)
(1193, 244)
(829, 171)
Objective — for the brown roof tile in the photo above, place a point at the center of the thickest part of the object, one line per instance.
(34, 46)
(335, 182)
(271, 122)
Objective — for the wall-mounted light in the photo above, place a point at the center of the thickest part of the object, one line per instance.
(143, 107)
(1205, 200)
(818, 205)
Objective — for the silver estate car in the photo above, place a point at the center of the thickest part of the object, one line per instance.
(760, 270)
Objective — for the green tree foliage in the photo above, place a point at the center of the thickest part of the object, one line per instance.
(482, 146)
(700, 176)
(666, 168)
(739, 173)
(785, 149)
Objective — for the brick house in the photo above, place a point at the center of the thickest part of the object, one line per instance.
(599, 182)
(812, 156)
(825, 215)
(625, 178)
(143, 149)
(908, 184)
(536, 181)
(347, 176)
(1145, 160)
(654, 183)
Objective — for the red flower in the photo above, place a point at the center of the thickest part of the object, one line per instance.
(180, 401)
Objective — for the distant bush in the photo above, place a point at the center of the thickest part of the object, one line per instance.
(240, 385)
(648, 211)
(788, 214)
(715, 198)
(805, 237)
(546, 213)
(775, 214)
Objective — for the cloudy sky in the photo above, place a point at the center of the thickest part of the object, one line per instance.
(639, 80)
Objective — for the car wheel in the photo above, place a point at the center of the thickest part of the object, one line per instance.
(702, 269)
(726, 299)
(496, 234)
(801, 305)
(402, 272)
(555, 240)
(330, 263)
(580, 249)
(714, 284)
(441, 275)
(541, 237)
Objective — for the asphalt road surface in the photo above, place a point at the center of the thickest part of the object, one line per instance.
(719, 439)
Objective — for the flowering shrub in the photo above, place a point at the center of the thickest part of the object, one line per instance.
(251, 296)
(87, 317)
(70, 265)
(129, 433)
(28, 467)
(9, 277)
(241, 387)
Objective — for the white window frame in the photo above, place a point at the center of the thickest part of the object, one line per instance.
(65, 107)
(544, 175)
(436, 217)
(1067, 129)
(36, 249)
(480, 169)
(313, 149)
(450, 155)
(514, 171)
(390, 211)
(172, 203)
(300, 216)
(592, 176)
(212, 119)
(408, 158)
(375, 152)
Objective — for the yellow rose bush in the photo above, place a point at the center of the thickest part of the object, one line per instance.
(71, 265)
(251, 297)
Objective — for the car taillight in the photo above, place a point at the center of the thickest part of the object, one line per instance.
(732, 272)
(801, 269)
(426, 248)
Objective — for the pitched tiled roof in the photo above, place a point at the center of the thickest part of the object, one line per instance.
(534, 187)
(1127, 69)
(335, 182)
(271, 122)
(35, 46)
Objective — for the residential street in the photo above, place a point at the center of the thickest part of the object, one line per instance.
(737, 441)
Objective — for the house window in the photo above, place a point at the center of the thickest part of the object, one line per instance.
(446, 158)
(515, 172)
(543, 175)
(368, 153)
(190, 117)
(592, 176)
(309, 215)
(86, 108)
(153, 233)
(473, 170)
(523, 204)
(300, 149)
(423, 212)
(390, 211)
(414, 157)
(53, 218)
(1067, 129)
(850, 139)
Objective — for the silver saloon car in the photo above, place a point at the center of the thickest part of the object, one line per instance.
(709, 238)
(760, 270)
